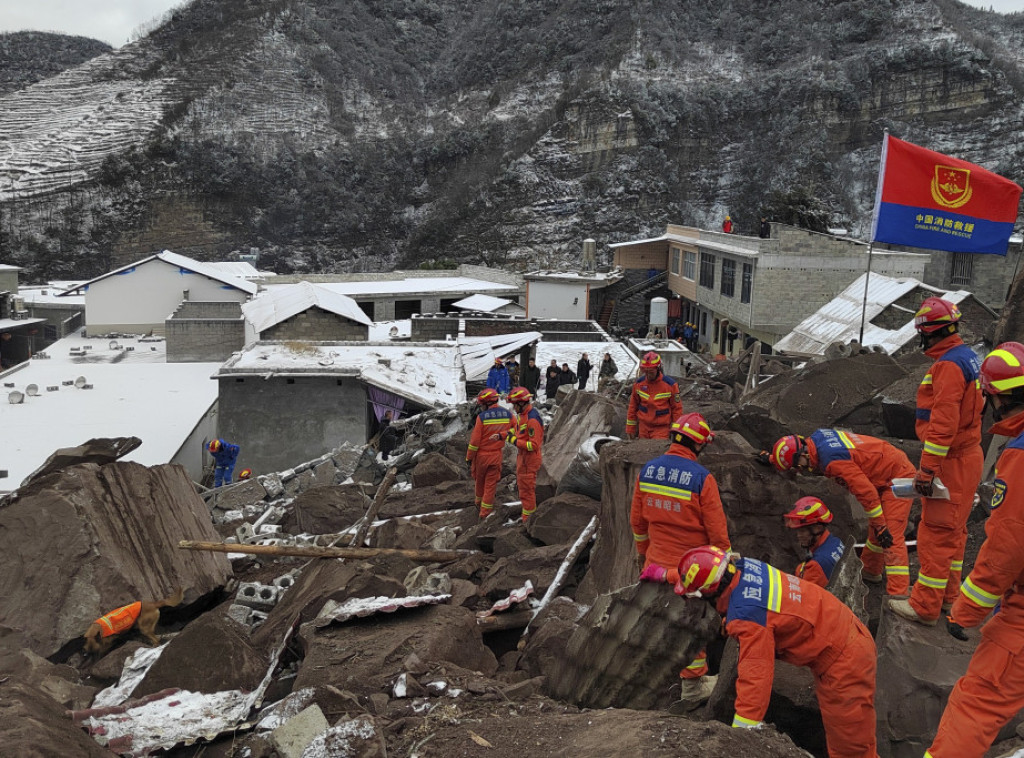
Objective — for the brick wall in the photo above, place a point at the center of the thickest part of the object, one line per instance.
(317, 325)
(199, 332)
(430, 328)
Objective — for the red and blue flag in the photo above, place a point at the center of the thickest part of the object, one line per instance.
(930, 200)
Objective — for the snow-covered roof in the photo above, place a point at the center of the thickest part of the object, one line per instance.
(135, 393)
(240, 269)
(484, 303)
(52, 293)
(571, 352)
(597, 278)
(478, 353)
(185, 263)
(427, 373)
(14, 323)
(839, 319)
(8, 267)
(279, 304)
(385, 287)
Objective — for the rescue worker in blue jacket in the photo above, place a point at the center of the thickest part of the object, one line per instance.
(224, 456)
(824, 550)
(498, 378)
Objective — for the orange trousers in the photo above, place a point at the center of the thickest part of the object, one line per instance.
(527, 466)
(846, 697)
(487, 472)
(983, 700)
(942, 534)
(649, 432)
(896, 511)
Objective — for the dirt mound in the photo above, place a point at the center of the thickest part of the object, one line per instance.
(439, 497)
(91, 538)
(33, 725)
(325, 510)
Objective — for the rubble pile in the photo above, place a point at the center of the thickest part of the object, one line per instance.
(504, 650)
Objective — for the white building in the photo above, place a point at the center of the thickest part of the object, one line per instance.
(139, 298)
(564, 294)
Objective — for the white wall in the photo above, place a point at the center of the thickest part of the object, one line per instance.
(140, 300)
(555, 300)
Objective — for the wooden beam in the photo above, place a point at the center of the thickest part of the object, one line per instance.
(426, 556)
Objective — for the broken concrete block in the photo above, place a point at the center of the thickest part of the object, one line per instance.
(353, 737)
(272, 485)
(232, 515)
(420, 581)
(285, 581)
(240, 613)
(257, 596)
(293, 737)
(272, 515)
(325, 473)
(442, 539)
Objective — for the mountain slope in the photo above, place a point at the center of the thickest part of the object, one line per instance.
(29, 57)
(349, 134)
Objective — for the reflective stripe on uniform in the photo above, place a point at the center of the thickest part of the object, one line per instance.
(774, 588)
(847, 442)
(640, 537)
(643, 394)
(872, 547)
(739, 722)
(977, 595)
(932, 582)
(473, 447)
(662, 395)
(927, 379)
(664, 489)
(933, 449)
(486, 505)
(698, 663)
(956, 566)
(875, 512)
(898, 570)
(491, 421)
(630, 423)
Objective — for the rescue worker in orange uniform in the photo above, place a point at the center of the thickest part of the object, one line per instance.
(527, 436)
(824, 550)
(485, 448)
(949, 408)
(992, 690)
(676, 506)
(776, 615)
(866, 467)
(654, 403)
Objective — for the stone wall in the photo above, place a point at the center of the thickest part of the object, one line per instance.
(316, 325)
(438, 328)
(204, 332)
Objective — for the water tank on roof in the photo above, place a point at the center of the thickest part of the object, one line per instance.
(659, 313)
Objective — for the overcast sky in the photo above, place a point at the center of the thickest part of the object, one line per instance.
(113, 21)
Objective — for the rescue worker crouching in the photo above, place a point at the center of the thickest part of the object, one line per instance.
(485, 448)
(654, 402)
(866, 467)
(992, 691)
(224, 456)
(676, 506)
(527, 436)
(949, 410)
(775, 615)
(824, 550)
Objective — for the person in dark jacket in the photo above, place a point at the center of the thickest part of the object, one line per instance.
(583, 371)
(566, 376)
(531, 376)
(765, 230)
(388, 439)
(607, 372)
(552, 375)
(512, 366)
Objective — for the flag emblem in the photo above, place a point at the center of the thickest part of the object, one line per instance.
(951, 187)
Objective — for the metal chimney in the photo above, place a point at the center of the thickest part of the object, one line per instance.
(589, 254)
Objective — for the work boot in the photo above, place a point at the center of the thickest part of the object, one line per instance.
(904, 609)
(870, 578)
(693, 693)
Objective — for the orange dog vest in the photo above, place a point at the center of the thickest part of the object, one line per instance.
(119, 620)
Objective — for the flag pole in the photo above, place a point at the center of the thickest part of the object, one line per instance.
(874, 230)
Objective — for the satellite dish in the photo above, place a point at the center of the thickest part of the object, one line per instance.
(80, 382)
(14, 398)
(32, 390)
(114, 345)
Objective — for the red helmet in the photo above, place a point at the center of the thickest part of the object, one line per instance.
(934, 314)
(700, 570)
(650, 360)
(487, 397)
(691, 426)
(786, 452)
(1003, 369)
(808, 511)
(519, 395)
(215, 445)
(244, 474)
(498, 362)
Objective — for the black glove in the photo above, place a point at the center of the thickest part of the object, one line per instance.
(764, 458)
(883, 537)
(923, 481)
(955, 630)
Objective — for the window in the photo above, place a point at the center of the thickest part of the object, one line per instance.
(675, 261)
(707, 270)
(690, 265)
(962, 270)
(748, 282)
(728, 277)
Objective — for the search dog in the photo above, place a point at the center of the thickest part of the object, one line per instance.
(141, 615)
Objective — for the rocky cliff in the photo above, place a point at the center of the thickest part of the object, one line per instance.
(361, 135)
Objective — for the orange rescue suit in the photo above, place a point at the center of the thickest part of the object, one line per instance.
(949, 408)
(485, 452)
(653, 406)
(529, 439)
(119, 620)
(992, 690)
(866, 467)
(822, 558)
(776, 615)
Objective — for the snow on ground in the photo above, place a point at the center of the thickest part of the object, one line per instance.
(135, 392)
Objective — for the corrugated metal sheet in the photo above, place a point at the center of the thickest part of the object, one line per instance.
(839, 319)
(482, 303)
(478, 353)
